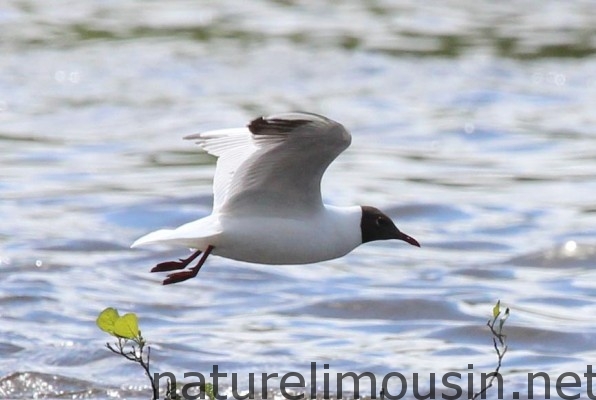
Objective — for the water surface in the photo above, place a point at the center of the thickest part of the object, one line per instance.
(472, 126)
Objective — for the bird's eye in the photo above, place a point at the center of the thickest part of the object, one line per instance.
(382, 222)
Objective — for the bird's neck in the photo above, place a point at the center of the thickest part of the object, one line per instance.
(345, 222)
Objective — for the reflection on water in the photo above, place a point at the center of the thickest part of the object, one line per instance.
(472, 125)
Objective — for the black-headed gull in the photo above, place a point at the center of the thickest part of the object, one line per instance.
(267, 206)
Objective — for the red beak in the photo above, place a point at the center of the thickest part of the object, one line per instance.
(408, 239)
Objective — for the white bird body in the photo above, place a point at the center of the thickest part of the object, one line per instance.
(330, 233)
(267, 204)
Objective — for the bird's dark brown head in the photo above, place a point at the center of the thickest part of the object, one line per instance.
(377, 226)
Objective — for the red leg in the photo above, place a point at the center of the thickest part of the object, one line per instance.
(173, 265)
(190, 273)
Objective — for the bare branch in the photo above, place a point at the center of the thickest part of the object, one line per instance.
(499, 343)
(136, 355)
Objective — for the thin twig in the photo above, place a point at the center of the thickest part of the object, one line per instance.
(136, 356)
(500, 345)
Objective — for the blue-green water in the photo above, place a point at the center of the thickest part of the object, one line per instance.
(473, 125)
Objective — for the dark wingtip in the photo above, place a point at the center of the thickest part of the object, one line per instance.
(256, 124)
(276, 123)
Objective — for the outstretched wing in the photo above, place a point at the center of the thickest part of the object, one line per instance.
(232, 147)
(276, 165)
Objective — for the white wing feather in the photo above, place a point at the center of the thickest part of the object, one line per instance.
(274, 166)
(232, 147)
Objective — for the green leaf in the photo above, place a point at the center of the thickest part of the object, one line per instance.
(106, 319)
(127, 326)
(209, 391)
(497, 309)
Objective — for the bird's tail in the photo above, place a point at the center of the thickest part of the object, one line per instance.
(197, 234)
(160, 236)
